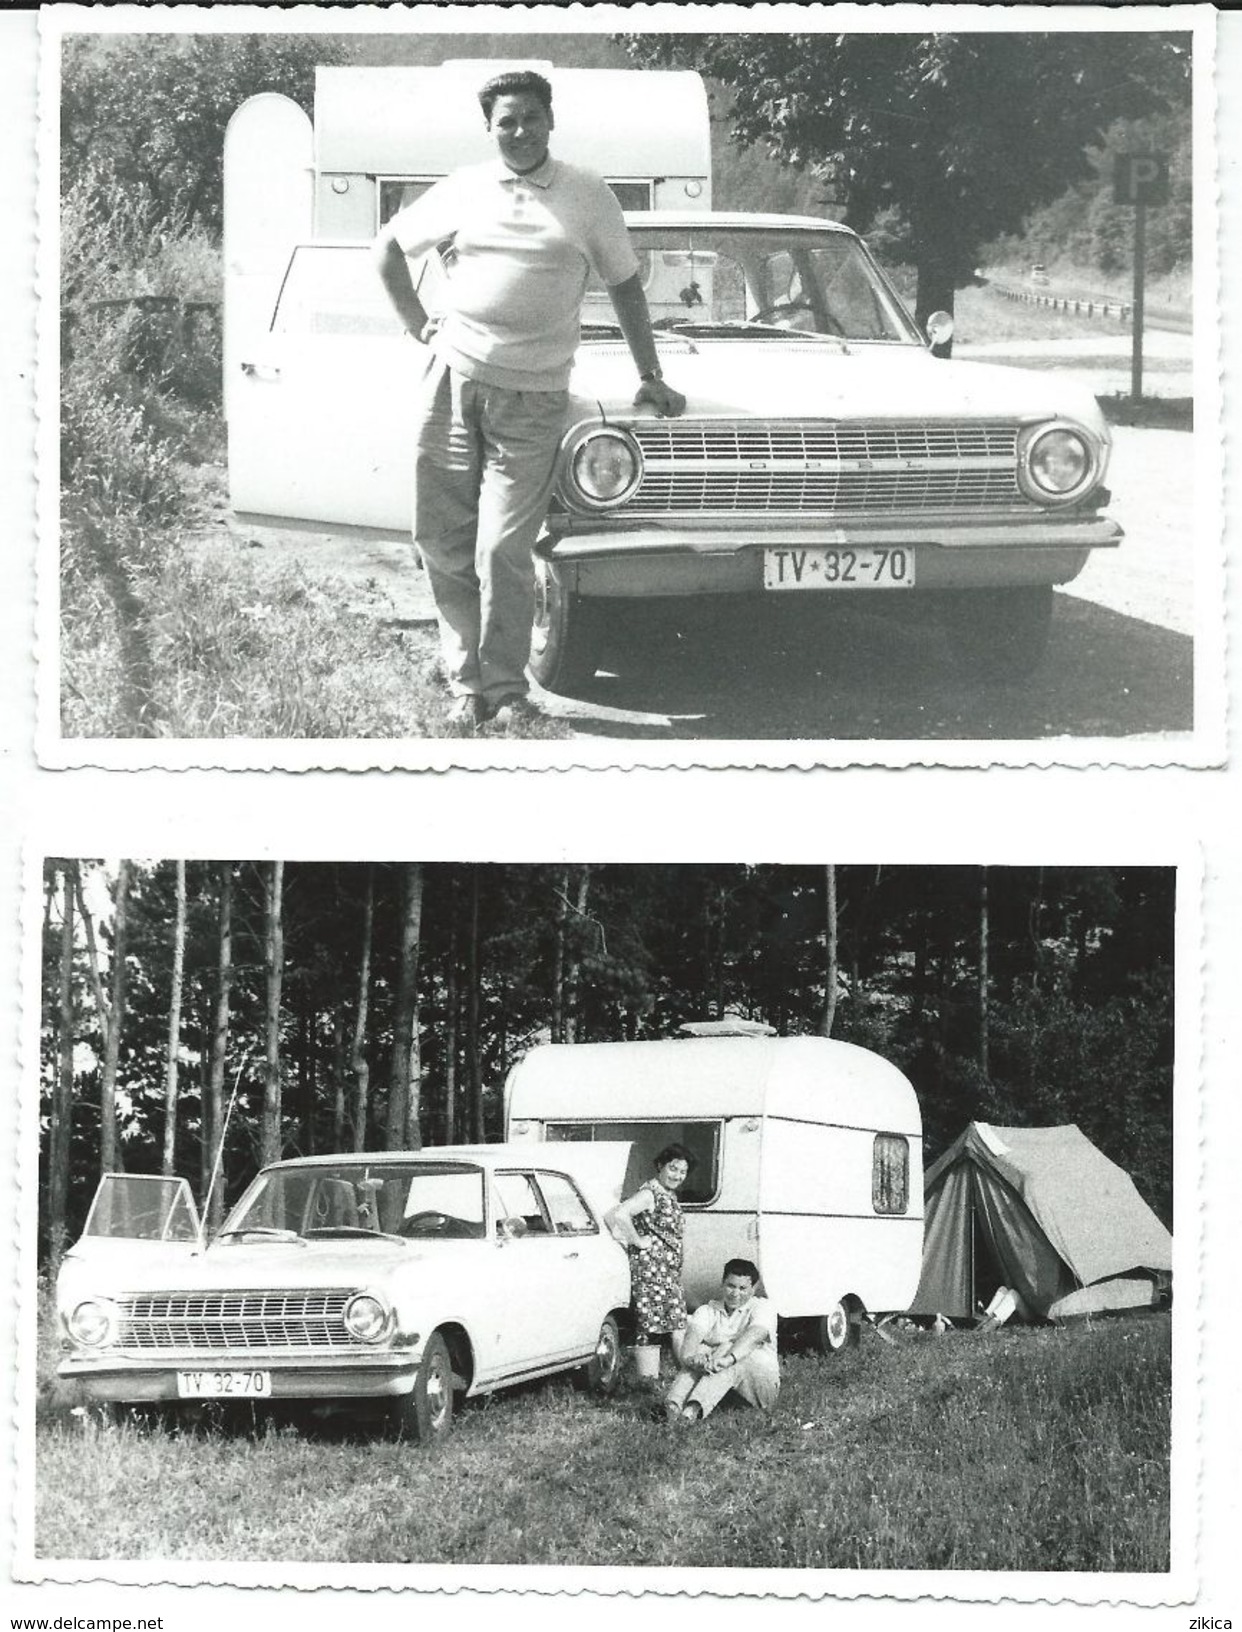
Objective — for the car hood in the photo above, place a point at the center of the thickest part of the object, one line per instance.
(250, 1265)
(775, 379)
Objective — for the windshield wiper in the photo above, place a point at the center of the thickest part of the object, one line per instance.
(264, 1230)
(348, 1230)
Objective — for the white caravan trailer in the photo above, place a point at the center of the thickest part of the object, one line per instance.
(379, 138)
(809, 1158)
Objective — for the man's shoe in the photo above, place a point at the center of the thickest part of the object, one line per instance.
(518, 709)
(468, 713)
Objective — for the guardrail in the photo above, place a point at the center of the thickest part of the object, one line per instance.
(1091, 307)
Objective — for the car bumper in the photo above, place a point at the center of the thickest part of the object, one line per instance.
(327, 1377)
(721, 559)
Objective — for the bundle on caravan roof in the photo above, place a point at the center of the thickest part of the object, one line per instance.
(1043, 1211)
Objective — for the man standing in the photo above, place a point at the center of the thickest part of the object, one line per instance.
(518, 237)
(729, 1348)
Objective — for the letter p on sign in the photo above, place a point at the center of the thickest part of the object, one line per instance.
(1141, 178)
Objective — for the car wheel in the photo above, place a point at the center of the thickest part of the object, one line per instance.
(603, 1370)
(834, 1332)
(564, 648)
(1000, 634)
(425, 1414)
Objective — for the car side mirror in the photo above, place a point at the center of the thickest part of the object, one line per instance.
(510, 1229)
(939, 329)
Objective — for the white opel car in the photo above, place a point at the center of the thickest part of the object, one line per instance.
(378, 1284)
(825, 451)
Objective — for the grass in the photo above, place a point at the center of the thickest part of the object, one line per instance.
(210, 642)
(1043, 1449)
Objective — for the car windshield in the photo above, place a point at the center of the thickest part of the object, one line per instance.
(134, 1207)
(724, 281)
(756, 280)
(351, 1198)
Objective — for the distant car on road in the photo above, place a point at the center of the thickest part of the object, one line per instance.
(381, 1284)
(1039, 273)
(825, 452)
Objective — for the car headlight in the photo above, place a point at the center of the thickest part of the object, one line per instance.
(604, 467)
(92, 1323)
(1058, 463)
(367, 1318)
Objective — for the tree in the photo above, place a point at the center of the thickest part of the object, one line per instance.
(830, 938)
(62, 1093)
(403, 1084)
(963, 133)
(273, 965)
(110, 1008)
(212, 1141)
(150, 111)
(358, 1054)
(174, 1029)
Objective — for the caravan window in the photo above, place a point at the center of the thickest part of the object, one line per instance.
(702, 1139)
(395, 192)
(890, 1173)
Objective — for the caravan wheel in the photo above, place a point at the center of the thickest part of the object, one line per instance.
(834, 1331)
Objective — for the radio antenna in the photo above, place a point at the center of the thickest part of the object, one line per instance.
(219, 1161)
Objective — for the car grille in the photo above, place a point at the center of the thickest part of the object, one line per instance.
(231, 1321)
(873, 468)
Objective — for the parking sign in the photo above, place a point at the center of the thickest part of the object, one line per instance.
(1141, 178)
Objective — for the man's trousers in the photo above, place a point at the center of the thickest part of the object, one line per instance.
(484, 462)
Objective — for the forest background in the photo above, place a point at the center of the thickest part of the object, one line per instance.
(381, 1005)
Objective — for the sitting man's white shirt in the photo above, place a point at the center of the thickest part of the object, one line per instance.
(709, 1367)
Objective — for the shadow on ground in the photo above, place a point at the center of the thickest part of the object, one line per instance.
(747, 671)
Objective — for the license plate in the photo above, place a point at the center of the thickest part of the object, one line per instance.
(820, 567)
(224, 1385)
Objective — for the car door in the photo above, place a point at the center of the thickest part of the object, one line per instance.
(320, 422)
(587, 1260)
(538, 1277)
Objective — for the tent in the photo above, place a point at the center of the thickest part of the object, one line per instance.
(1044, 1212)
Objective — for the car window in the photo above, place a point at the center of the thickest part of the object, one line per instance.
(360, 1195)
(816, 282)
(647, 1139)
(333, 290)
(519, 1199)
(570, 1215)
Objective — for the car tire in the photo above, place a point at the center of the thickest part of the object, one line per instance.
(564, 649)
(834, 1332)
(425, 1414)
(999, 634)
(603, 1371)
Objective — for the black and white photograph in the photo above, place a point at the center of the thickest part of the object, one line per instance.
(619, 881)
(826, 1204)
(870, 389)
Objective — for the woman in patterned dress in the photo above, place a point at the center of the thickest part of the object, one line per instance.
(649, 1225)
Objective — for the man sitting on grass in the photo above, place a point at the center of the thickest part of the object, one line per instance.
(729, 1348)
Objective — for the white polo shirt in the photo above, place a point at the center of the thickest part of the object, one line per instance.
(714, 1326)
(518, 251)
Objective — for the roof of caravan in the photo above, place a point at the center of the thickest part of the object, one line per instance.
(812, 1079)
(427, 121)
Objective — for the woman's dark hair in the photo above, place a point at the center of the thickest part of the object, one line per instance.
(516, 82)
(675, 1153)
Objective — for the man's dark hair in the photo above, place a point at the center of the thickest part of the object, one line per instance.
(675, 1153)
(515, 82)
(741, 1266)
